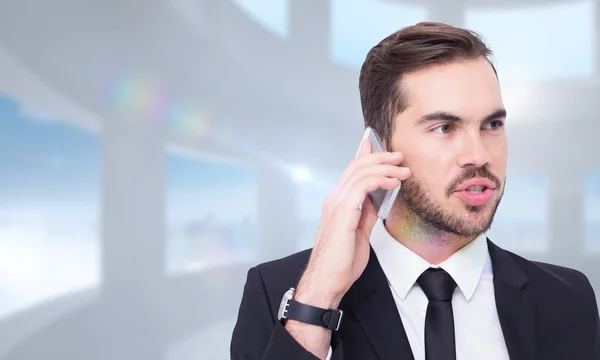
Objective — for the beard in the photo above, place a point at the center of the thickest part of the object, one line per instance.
(429, 216)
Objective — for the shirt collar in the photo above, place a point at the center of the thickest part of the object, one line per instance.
(403, 267)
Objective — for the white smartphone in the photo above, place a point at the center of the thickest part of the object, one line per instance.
(382, 199)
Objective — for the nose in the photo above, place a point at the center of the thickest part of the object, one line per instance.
(473, 152)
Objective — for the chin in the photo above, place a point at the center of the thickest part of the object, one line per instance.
(483, 209)
(480, 217)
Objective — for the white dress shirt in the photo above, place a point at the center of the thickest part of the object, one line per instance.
(477, 328)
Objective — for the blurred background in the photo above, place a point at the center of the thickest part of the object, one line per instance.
(152, 151)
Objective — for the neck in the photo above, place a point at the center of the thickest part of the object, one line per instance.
(431, 244)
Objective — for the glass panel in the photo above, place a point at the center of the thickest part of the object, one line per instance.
(521, 222)
(211, 211)
(49, 212)
(592, 212)
(272, 14)
(311, 194)
(358, 25)
(539, 42)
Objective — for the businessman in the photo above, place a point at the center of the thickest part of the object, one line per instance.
(426, 283)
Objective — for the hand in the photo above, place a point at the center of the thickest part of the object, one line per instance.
(341, 250)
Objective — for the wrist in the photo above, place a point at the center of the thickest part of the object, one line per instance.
(309, 310)
(320, 297)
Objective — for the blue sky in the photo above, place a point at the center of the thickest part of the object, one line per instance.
(538, 44)
(187, 174)
(542, 42)
(196, 189)
(50, 205)
(45, 160)
(592, 197)
(358, 25)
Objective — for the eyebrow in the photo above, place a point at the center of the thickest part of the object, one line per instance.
(444, 116)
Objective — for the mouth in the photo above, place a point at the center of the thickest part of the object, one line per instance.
(476, 192)
(476, 189)
(478, 185)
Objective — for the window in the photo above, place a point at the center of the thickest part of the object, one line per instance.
(310, 195)
(521, 222)
(49, 213)
(358, 25)
(272, 14)
(211, 211)
(592, 212)
(539, 42)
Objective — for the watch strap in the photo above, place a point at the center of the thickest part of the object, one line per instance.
(329, 319)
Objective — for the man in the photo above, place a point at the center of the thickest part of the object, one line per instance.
(425, 283)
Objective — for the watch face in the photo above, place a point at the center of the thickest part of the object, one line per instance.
(284, 301)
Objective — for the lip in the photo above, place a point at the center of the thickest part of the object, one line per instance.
(476, 199)
(477, 182)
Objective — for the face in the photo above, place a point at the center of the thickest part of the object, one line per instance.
(453, 139)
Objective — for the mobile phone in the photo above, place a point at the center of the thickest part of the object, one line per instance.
(382, 199)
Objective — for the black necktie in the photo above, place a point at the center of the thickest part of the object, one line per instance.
(439, 286)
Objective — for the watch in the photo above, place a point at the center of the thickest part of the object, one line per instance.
(291, 309)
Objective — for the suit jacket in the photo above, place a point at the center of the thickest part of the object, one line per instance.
(546, 312)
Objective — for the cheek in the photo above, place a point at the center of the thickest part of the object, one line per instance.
(433, 148)
(498, 150)
(429, 161)
(429, 171)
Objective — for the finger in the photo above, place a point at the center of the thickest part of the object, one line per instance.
(356, 166)
(389, 171)
(380, 157)
(368, 217)
(363, 150)
(359, 190)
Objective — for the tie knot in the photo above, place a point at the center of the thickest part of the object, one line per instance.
(437, 284)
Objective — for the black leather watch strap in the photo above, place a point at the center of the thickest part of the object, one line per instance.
(330, 319)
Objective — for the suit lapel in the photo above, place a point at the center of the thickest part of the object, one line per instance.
(515, 305)
(370, 300)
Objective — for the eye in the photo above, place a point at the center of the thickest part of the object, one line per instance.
(494, 125)
(444, 128)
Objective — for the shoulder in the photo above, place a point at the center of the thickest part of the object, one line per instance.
(277, 276)
(564, 299)
(553, 275)
(284, 269)
(298, 259)
(556, 281)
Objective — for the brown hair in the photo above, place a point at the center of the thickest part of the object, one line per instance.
(407, 50)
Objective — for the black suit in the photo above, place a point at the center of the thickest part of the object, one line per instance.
(546, 312)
